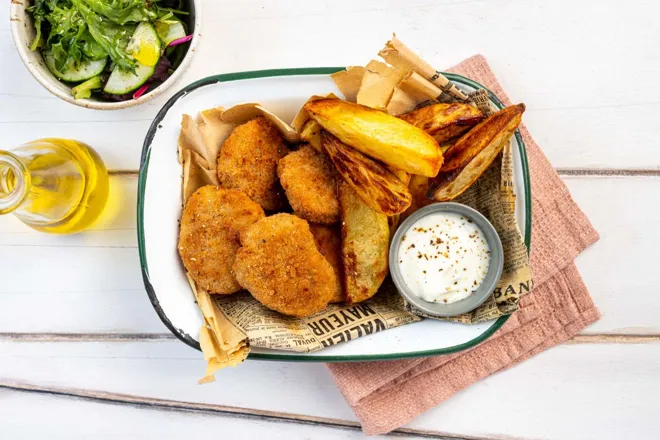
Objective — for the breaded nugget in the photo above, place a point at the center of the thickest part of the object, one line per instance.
(209, 238)
(281, 267)
(328, 242)
(309, 180)
(248, 162)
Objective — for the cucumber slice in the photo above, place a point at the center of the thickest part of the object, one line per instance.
(85, 71)
(121, 82)
(145, 45)
(169, 31)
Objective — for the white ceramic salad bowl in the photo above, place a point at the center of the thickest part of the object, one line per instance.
(23, 32)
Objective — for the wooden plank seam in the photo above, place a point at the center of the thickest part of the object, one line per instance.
(213, 409)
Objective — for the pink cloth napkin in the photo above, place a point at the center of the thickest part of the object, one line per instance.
(386, 395)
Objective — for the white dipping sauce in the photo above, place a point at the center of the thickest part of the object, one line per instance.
(443, 257)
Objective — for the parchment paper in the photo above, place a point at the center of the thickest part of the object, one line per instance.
(405, 60)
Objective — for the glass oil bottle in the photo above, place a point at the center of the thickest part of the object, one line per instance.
(59, 186)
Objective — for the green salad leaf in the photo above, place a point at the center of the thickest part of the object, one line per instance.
(39, 11)
(66, 30)
(91, 48)
(112, 37)
(123, 11)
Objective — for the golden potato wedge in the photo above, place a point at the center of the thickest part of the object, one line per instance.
(418, 187)
(379, 135)
(302, 116)
(402, 175)
(469, 145)
(444, 121)
(377, 186)
(474, 152)
(365, 243)
(311, 133)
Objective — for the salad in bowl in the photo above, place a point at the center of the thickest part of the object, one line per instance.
(110, 50)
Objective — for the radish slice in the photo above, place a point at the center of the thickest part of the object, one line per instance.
(180, 40)
(139, 92)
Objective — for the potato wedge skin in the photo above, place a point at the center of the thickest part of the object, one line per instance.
(365, 246)
(444, 121)
(402, 175)
(468, 146)
(311, 133)
(446, 145)
(376, 185)
(474, 152)
(379, 135)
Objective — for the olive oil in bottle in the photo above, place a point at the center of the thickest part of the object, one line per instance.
(58, 186)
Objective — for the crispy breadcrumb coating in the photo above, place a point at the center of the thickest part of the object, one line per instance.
(281, 267)
(309, 180)
(211, 223)
(248, 162)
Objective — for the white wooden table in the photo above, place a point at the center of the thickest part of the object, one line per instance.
(82, 353)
